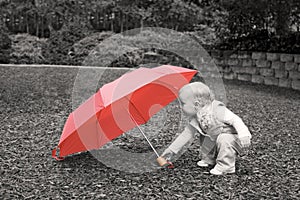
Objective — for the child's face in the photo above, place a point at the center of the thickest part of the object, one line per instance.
(188, 102)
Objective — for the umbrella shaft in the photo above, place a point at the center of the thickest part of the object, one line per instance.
(143, 134)
(147, 140)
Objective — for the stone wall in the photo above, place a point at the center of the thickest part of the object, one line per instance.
(277, 69)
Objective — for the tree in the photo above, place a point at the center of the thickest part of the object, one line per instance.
(285, 14)
(5, 41)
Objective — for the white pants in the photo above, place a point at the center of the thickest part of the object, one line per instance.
(221, 152)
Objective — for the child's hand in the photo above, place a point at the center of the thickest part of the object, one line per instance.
(245, 142)
(168, 154)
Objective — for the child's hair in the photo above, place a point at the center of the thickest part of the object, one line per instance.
(201, 92)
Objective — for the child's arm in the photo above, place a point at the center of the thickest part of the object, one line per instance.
(228, 117)
(186, 135)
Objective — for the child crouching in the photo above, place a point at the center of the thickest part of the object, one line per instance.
(223, 134)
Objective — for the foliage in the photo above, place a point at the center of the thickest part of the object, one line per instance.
(25, 17)
(4, 52)
(260, 25)
(60, 43)
(233, 24)
(40, 16)
(177, 14)
(5, 42)
(128, 49)
(263, 41)
(81, 49)
(26, 49)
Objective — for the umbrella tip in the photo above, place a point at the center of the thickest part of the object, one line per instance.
(55, 156)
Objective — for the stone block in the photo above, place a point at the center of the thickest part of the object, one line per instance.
(247, 62)
(234, 55)
(286, 57)
(244, 77)
(225, 61)
(296, 84)
(229, 76)
(271, 81)
(290, 66)
(228, 69)
(244, 55)
(211, 68)
(273, 56)
(297, 58)
(266, 72)
(294, 75)
(233, 62)
(250, 70)
(218, 61)
(228, 53)
(284, 82)
(210, 74)
(216, 53)
(281, 73)
(245, 70)
(263, 63)
(278, 65)
(220, 68)
(216, 75)
(237, 69)
(258, 55)
(257, 79)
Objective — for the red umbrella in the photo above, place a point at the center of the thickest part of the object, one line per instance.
(119, 106)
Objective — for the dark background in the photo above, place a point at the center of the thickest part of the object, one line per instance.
(52, 28)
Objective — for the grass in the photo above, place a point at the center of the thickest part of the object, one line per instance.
(35, 103)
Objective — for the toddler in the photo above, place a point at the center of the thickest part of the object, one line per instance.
(223, 134)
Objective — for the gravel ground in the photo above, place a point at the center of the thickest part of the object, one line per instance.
(35, 102)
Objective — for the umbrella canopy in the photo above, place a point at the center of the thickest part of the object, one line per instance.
(120, 106)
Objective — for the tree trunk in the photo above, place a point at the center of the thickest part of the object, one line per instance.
(282, 18)
(122, 22)
(142, 24)
(27, 23)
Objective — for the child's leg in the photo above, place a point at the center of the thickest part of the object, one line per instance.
(208, 150)
(228, 145)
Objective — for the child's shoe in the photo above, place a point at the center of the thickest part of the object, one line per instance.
(202, 163)
(214, 171)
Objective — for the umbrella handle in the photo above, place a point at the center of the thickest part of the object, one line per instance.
(164, 163)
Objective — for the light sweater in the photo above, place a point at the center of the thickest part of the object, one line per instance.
(211, 121)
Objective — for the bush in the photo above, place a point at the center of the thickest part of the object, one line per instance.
(263, 41)
(131, 50)
(60, 43)
(205, 35)
(81, 49)
(27, 49)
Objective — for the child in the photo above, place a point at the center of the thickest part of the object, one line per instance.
(223, 134)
